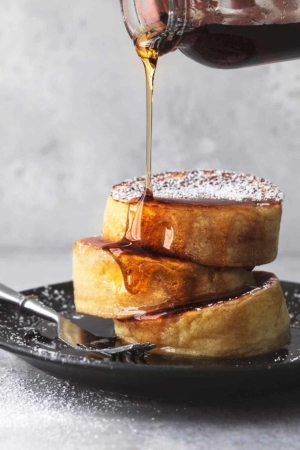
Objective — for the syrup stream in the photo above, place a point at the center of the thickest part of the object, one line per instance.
(149, 57)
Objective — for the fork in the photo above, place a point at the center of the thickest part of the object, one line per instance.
(67, 332)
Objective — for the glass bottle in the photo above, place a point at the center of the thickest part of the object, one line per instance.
(217, 33)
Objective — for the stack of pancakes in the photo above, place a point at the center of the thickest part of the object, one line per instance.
(176, 269)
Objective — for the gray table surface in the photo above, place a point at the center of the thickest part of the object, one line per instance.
(39, 411)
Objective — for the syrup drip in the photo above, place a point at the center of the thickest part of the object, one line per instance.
(198, 304)
(140, 268)
(261, 281)
(122, 250)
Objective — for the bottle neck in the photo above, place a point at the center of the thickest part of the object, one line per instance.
(158, 24)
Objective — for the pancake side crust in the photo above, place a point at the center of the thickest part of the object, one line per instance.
(253, 324)
(134, 283)
(239, 235)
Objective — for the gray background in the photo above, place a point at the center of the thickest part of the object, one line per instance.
(72, 125)
(73, 122)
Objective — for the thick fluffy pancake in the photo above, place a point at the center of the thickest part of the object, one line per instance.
(253, 324)
(120, 283)
(214, 218)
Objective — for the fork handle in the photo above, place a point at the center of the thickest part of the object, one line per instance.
(28, 304)
(10, 295)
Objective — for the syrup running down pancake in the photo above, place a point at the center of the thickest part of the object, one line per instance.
(213, 218)
(174, 268)
(254, 323)
(123, 282)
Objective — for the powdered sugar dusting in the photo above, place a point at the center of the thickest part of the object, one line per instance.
(202, 184)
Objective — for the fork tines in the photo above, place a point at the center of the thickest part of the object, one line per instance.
(111, 351)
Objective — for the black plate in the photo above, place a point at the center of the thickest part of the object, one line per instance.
(155, 375)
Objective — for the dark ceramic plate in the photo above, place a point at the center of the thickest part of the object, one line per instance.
(152, 375)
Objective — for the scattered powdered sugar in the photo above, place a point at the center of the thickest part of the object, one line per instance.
(293, 306)
(39, 411)
(202, 184)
